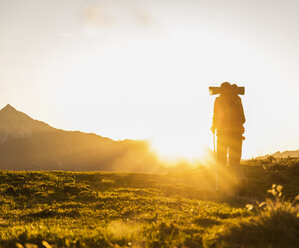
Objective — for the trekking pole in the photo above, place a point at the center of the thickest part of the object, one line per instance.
(216, 165)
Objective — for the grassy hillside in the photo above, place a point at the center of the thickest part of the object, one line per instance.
(103, 209)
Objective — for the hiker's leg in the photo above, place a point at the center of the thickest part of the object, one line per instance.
(235, 152)
(222, 146)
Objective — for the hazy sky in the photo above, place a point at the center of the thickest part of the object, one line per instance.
(141, 69)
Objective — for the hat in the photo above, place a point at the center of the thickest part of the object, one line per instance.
(225, 85)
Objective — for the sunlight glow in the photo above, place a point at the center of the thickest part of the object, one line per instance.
(141, 70)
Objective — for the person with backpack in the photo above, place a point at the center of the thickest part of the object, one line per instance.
(228, 120)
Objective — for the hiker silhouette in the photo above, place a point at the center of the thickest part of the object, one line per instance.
(228, 120)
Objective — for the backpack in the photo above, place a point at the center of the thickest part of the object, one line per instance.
(228, 113)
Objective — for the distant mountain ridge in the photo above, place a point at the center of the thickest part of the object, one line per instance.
(284, 154)
(28, 144)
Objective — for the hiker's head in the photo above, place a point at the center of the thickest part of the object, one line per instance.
(226, 88)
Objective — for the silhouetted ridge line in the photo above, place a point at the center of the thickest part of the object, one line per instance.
(285, 154)
(28, 144)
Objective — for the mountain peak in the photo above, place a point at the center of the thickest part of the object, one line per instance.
(11, 114)
(8, 107)
(15, 124)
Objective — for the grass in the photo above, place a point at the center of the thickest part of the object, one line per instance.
(274, 224)
(117, 209)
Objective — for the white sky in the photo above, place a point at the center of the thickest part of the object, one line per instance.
(141, 69)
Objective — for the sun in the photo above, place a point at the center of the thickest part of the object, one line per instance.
(171, 152)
